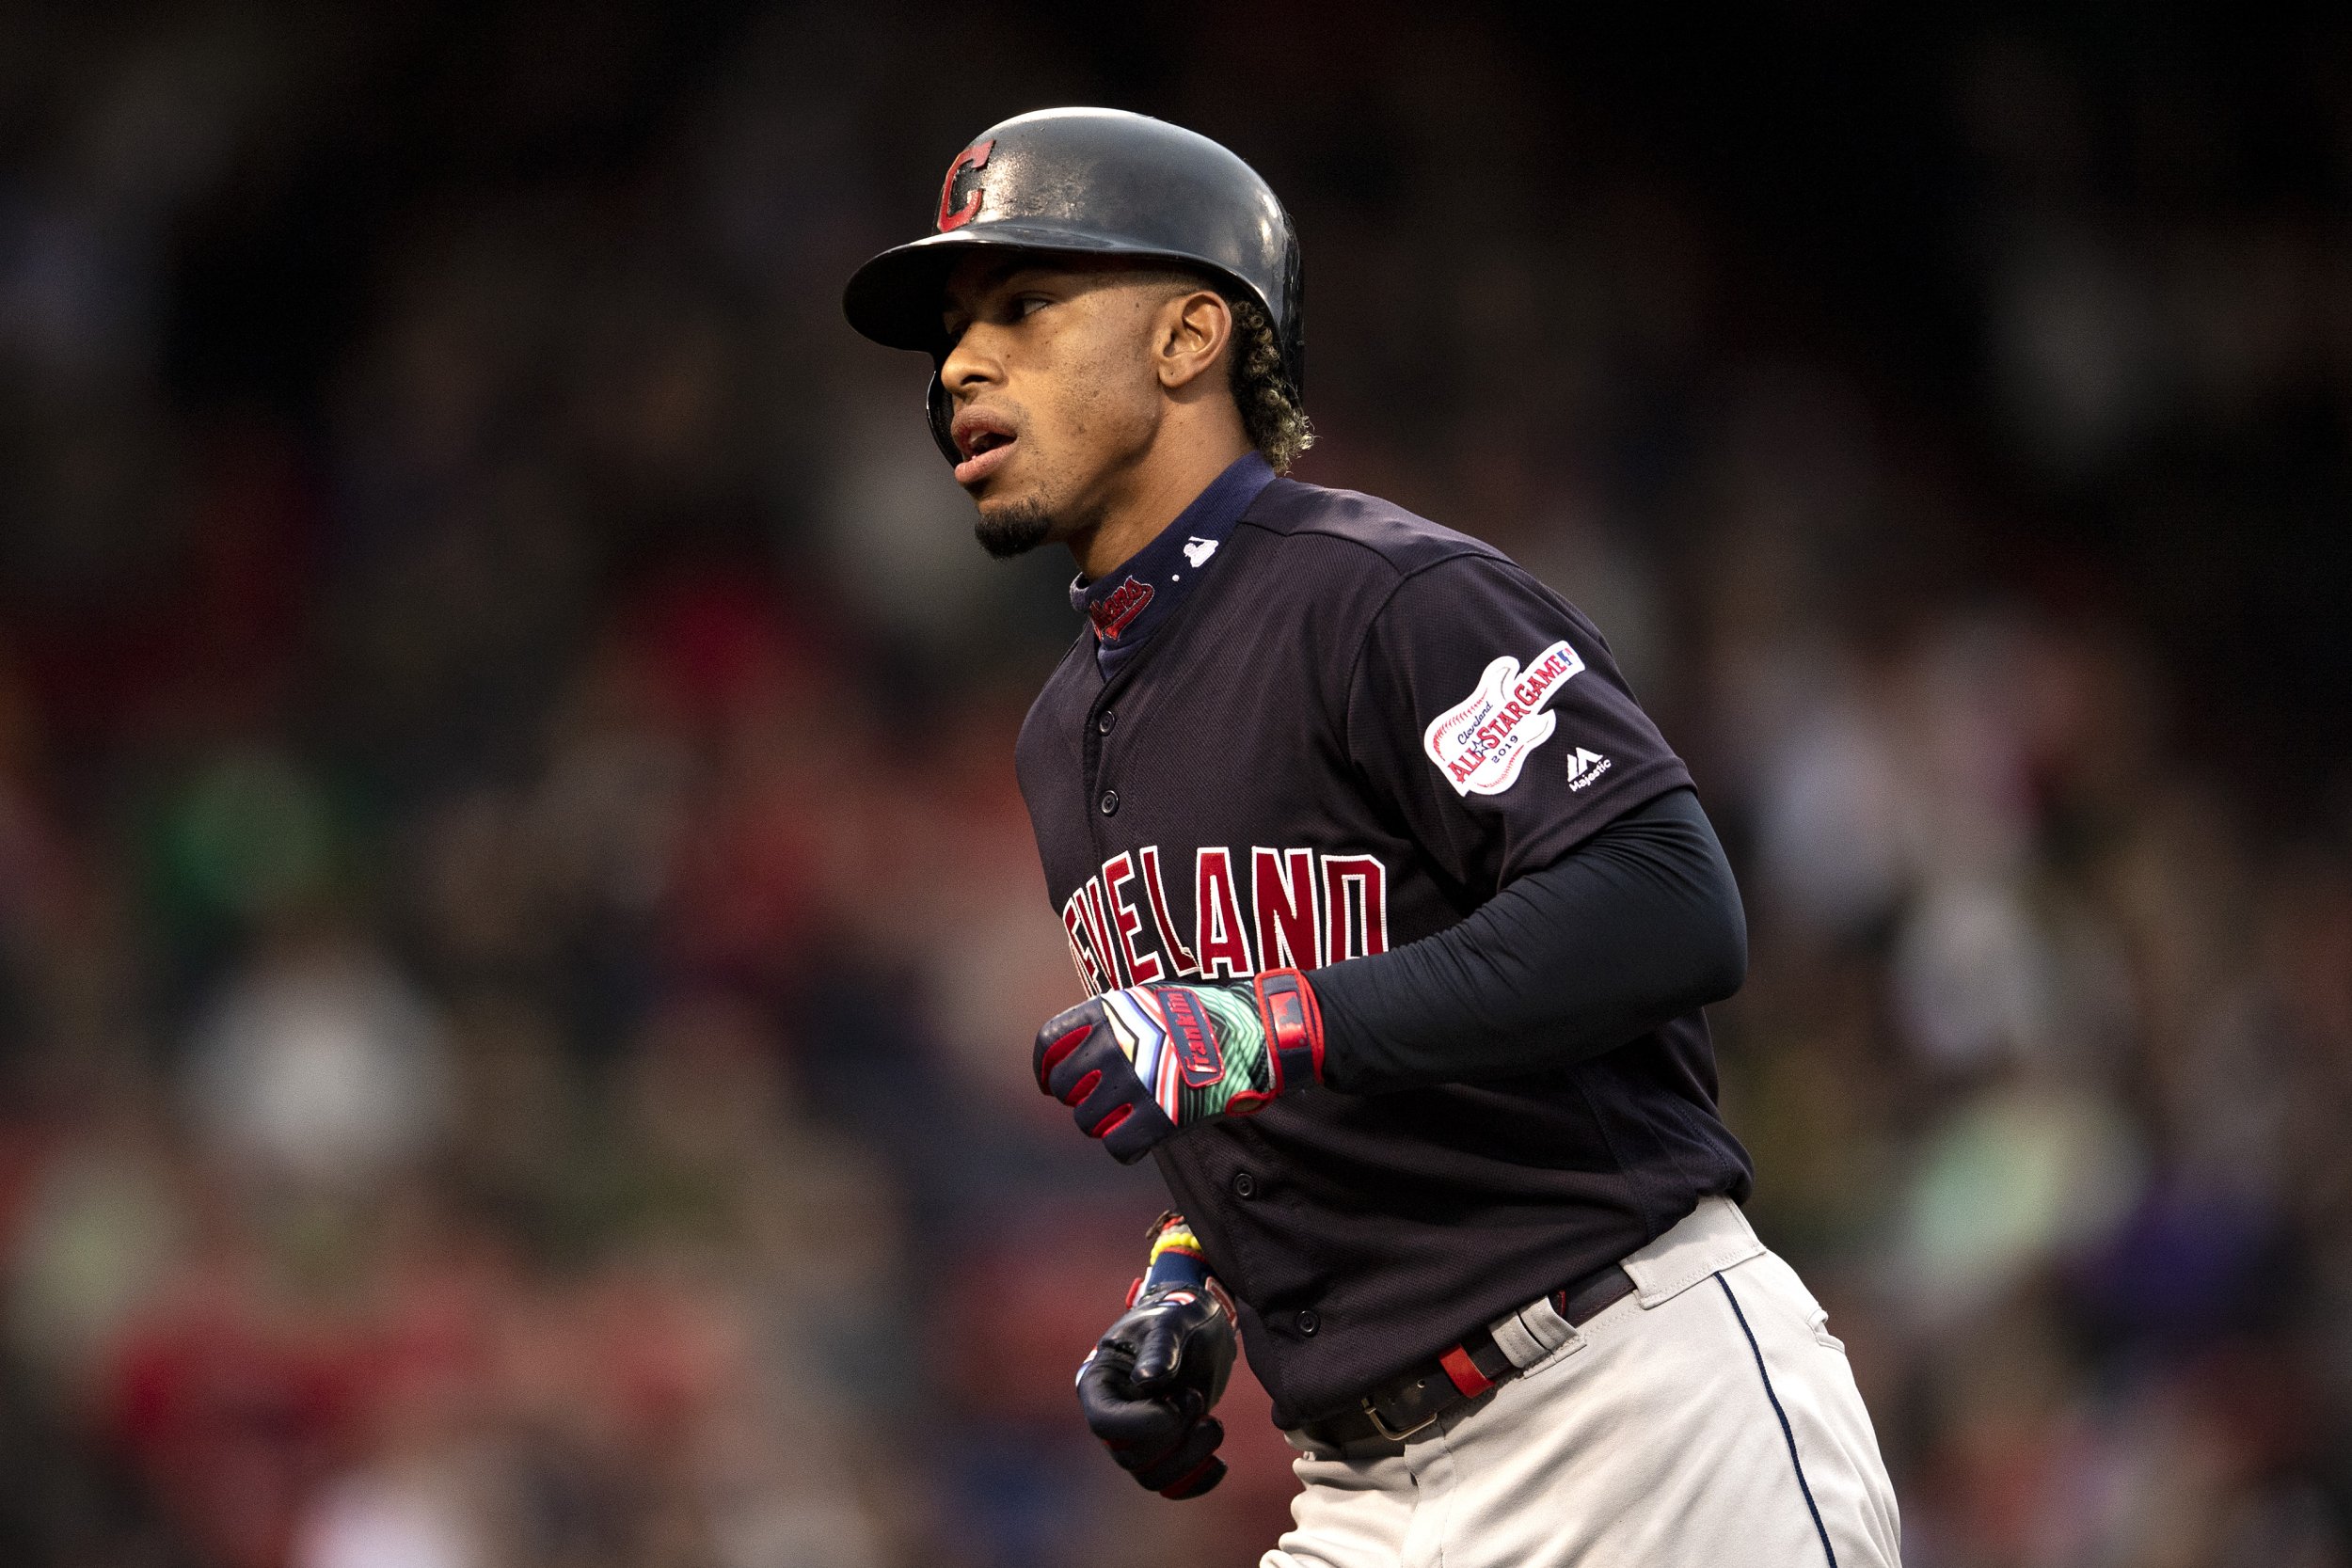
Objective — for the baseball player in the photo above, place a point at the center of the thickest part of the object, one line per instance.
(1395, 914)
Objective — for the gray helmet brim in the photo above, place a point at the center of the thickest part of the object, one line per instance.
(899, 297)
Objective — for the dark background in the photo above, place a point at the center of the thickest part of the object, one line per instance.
(516, 935)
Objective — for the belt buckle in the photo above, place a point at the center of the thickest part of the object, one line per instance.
(1381, 1427)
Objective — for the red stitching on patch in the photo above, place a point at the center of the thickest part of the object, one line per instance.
(1127, 602)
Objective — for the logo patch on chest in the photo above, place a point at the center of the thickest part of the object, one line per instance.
(1480, 743)
(1122, 605)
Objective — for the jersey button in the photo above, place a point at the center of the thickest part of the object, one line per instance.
(1308, 1321)
(1110, 802)
(1109, 722)
(1245, 1185)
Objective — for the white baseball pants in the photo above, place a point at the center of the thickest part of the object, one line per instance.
(1708, 1420)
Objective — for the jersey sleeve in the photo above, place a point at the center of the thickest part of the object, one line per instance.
(1488, 712)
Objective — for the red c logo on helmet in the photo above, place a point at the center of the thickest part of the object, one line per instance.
(975, 156)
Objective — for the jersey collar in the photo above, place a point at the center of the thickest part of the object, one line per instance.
(1127, 604)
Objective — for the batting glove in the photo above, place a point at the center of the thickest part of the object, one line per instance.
(1137, 1065)
(1147, 1389)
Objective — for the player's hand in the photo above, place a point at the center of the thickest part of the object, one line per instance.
(1147, 1389)
(1138, 1063)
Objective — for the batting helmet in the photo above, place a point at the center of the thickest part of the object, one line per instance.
(1093, 182)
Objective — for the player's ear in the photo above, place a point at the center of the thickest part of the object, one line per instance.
(1189, 337)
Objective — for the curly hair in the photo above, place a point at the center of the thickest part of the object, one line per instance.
(1270, 414)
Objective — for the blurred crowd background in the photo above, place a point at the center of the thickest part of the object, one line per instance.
(517, 935)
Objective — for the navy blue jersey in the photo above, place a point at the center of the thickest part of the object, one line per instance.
(1347, 729)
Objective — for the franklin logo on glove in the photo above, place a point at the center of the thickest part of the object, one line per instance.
(1198, 1059)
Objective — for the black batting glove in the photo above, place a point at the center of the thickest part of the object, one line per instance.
(1147, 1389)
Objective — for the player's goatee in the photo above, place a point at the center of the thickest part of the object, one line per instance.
(1016, 530)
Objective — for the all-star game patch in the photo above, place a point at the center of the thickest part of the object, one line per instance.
(1480, 743)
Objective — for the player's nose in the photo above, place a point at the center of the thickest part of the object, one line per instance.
(971, 366)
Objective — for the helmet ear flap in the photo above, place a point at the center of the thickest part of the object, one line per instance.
(941, 413)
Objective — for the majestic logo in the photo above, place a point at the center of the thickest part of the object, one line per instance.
(950, 216)
(1480, 743)
(1121, 605)
(1198, 550)
(1585, 767)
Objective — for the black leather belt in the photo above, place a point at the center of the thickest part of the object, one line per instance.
(1411, 1401)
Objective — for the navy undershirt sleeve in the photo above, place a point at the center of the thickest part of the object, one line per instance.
(1638, 925)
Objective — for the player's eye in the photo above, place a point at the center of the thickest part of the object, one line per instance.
(1029, 305)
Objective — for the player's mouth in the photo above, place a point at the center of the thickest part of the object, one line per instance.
(986, 441)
